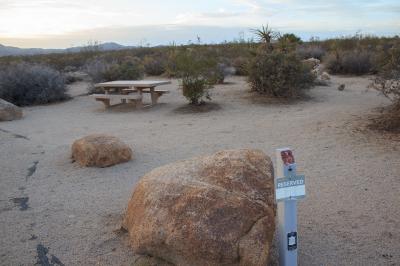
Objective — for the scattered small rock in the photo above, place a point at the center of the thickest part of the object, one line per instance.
(42, 258)
(32, 169)
(341, 87)
(21, 202)
(33, 237)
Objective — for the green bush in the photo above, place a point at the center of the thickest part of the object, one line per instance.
(196, 75)
(350, 62)
(29, 84)
(195, 89)
(101, 70)
(279, 74)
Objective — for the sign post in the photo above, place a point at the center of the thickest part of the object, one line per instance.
(288, 188)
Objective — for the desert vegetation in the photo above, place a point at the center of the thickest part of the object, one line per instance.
(276, 70)
(272, 62)
(387, 81)
(29, 84)
(195, 74)
(100, 70)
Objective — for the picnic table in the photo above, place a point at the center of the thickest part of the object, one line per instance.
(131, 91)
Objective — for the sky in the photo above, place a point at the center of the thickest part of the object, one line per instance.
(66, 23)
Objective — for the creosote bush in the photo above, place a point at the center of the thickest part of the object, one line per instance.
(29, 84)
(278, 74)
(195, 89)
(196, 75)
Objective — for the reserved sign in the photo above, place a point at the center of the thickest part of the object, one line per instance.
(293, 187)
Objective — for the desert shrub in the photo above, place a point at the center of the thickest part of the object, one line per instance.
(70, 78)
(240, 65)
(217, 73)
(265, 36)
(350, 62)
(101, 70)
(310, 51)
(195, 89)
(154, 66)
(171, 68)
(388, 79)
(387, 82)
(27, 84)
(288, 42)
(195, 76)
(279, 74)
(290, 37)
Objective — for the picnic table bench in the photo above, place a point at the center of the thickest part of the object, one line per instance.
(130, 90)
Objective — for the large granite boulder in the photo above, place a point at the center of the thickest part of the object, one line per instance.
(100, 150)
(210, 210)
(9, 111)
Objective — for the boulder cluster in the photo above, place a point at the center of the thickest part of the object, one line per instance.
(322, 77)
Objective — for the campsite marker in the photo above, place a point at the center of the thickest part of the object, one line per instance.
(288, 188)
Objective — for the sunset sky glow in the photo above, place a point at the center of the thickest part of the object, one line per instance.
(62, 23)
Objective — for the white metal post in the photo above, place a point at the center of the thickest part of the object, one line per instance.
(287, 214)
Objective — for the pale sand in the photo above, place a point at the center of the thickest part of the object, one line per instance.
(350, 216)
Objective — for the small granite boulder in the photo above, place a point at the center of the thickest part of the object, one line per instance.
(325, 76)
(209, 210)
(100, 150)
(313, 63)
(9, 111)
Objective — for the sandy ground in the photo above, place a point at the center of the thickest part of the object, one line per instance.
(53, 211)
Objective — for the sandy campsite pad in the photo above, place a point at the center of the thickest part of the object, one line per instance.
(53, 211)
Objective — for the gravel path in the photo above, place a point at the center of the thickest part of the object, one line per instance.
(53, 212)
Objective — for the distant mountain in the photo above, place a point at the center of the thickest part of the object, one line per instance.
(10, 50)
